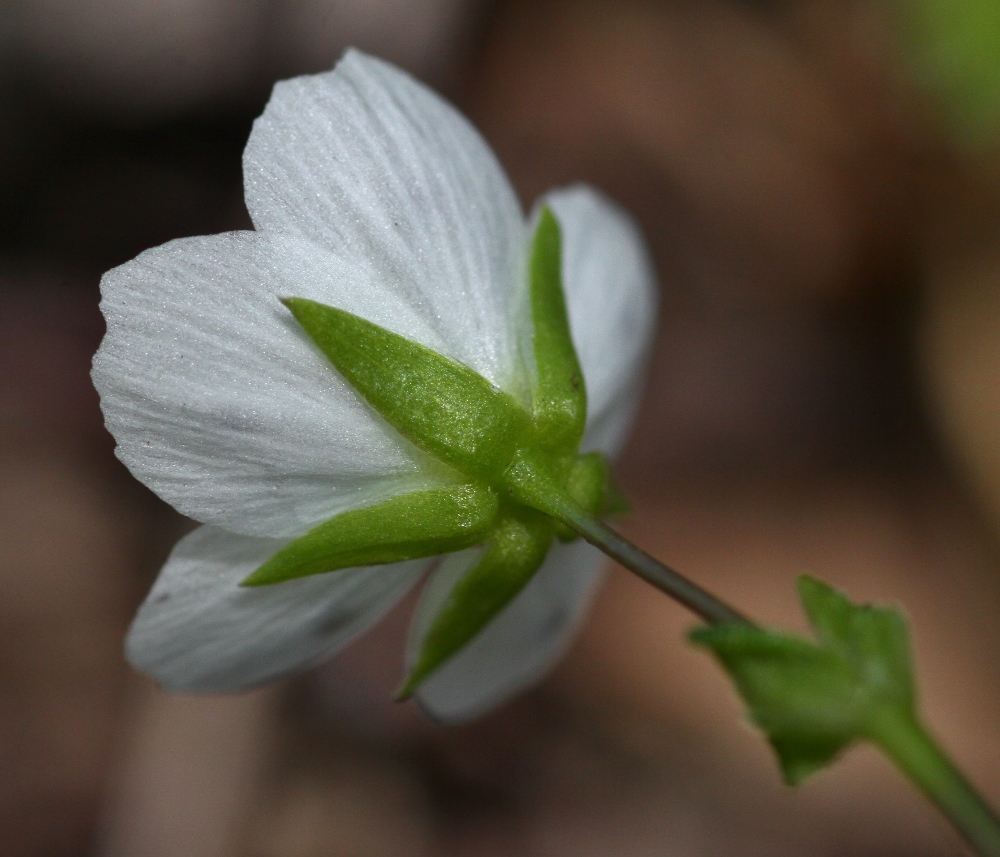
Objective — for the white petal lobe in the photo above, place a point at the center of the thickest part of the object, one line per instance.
(373, 166)
(611, 296)
(198, 630)
(222, 405)
(519, 646)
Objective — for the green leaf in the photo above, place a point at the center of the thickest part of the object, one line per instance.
(409, 526)
(875, 640)
(803, 697)
(829, 611)
(813, 699)
(514, 553)
(441, 405)
(560, 397)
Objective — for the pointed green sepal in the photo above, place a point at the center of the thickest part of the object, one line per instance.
(560, 407)
(587, 481)
(514, 553)
(591, 486)
(814, 699)
(409, 526)
(615, 502)
(441, 405)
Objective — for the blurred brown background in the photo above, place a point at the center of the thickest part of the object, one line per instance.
(823, 398)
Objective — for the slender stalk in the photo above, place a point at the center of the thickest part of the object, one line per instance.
(699, 601)
(904, 740)
(900, 736)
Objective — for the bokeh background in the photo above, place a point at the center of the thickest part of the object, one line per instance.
(820, 184)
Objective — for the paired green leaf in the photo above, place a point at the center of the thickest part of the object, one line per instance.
(560, 406)
(408, 526)
(441, 405)
(813, 699)
(514, 553)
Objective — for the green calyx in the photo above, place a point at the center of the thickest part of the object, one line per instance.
(813, 699)
(518, 474)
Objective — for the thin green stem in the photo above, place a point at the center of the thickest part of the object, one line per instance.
(900, 736)
(699, 601)
(904, 740)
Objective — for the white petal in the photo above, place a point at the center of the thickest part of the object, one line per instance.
(222, 405)
(611, 298)
(519, 646)
(375, 167)
(198, 630)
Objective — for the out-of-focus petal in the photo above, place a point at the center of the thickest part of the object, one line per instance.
(223, 406)
(519, 646)
(379, 170)
(611, 296)
(198, 630)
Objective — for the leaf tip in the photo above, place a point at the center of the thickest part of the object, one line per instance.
(701, 636)
(810, 587)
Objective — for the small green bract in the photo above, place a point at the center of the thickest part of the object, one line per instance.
(813, 699)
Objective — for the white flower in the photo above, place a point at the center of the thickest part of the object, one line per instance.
(371, 194)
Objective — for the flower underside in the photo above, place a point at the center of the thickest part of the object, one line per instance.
(514, 471)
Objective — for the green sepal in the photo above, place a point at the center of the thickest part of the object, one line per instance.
(408, 526)
(814, 699)
(439, 404)
(591, 486)
(587, 481)
(615, 501)
(513, 554)
(560, 397)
